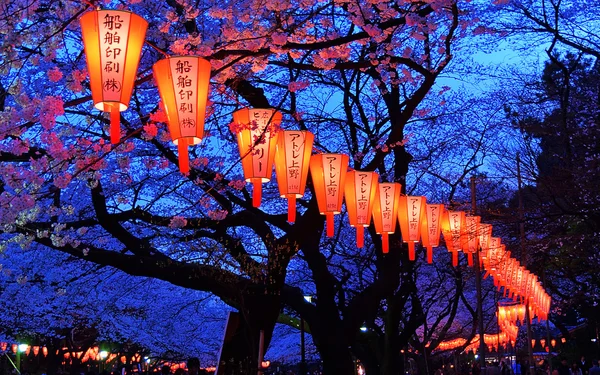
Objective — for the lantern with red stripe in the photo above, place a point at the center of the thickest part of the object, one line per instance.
(328, 172)
(113, 41)
(360, 191)
(385, 211)
(472, 237)
(453, 228)
(411, 212)
(183, 86)
(256, 131)
(430, 232)
(292, 160)
(485, 233)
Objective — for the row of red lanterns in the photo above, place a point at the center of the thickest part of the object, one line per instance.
(15, 347)
(113, 41)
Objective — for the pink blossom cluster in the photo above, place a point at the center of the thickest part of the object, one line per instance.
(177, 222)
(51, 107)
(297, 85)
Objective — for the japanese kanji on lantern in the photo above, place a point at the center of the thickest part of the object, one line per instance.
(360, 191)
(472, 237)
(431, 227)
(385, 211)
(292, 160)
(453, 227)
(113, 41)
(328, 172)
(256, 131)
(183, 86)
(411, 211)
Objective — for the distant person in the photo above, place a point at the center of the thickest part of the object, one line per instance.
(193, 365)
(584, 365)
(563, 368)
(595, 369)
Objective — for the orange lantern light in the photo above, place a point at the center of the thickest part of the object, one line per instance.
(3, 346)
(45, 351)
(360, 190)
(453, 227)
(256, 131)
(472, 237)
(14, 348)
(292, 159)
(27, 350)
(543, 343)
(563, 340)
(36, 350)
(533, 343)
(183, 86)
(411, 212)
(553, 343)
(385, 211)
(113, 41)
(328, 172)
(430, 233)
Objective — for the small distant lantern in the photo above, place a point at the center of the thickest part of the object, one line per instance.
(453, 228)
(533, 343)
(553, 343)
(485, 233)
(495, 249)
(36, 350)
(113, 41)
(472, 237)
(543, 343)
(256, 131)
(45, 351)
(411, 212)
(292, 159)
(385, 211)
(14, 348)
(183, 83)
(328, 172)
(360, 191)
(563, 340)
(430, 233)
(3, 346)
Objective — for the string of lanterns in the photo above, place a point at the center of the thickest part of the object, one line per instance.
(113, 42)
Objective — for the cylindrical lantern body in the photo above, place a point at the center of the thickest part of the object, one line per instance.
(411, 212)
(292, 159)
(431, 228)
(183, 86)
(453, 228)
(472, 236)
(485, 232)
(257, 141)
(328, 172)
(113, 41)
(385, 211)
(360, 191)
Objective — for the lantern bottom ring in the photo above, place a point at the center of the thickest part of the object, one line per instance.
(107, 106)
(260, 179)
(189, 141)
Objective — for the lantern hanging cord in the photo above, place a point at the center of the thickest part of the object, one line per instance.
(156, 48)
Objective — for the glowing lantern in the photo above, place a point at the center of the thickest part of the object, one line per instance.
(533, 343)
(543, 343)
(553, 343)
(360, 191)
(494, 253)
(256, 131)
(472, 237)
(113, 41)
(183, 86)
(563, 340)
(3, 346)
(411, 211)
(14, 348)
(36, 350)
(292, 159)
(385, 211)
(430, 232)
(45, 351)
(328, 173)
(453, 227)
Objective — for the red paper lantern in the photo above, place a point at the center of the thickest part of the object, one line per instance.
(183, 86)
(411, 212)
(256, 131)
(36, 350)
(472, 237)
(113, 41)
(328, 172)
(430, 232)
(292, 159)
(45, 351)
(3, 346)
(360, 191)
(453, 228)
(385, 211)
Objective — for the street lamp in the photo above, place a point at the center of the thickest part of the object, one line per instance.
(363, 329)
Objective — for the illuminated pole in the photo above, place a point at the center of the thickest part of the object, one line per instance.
(524, 260)
(478, 287)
